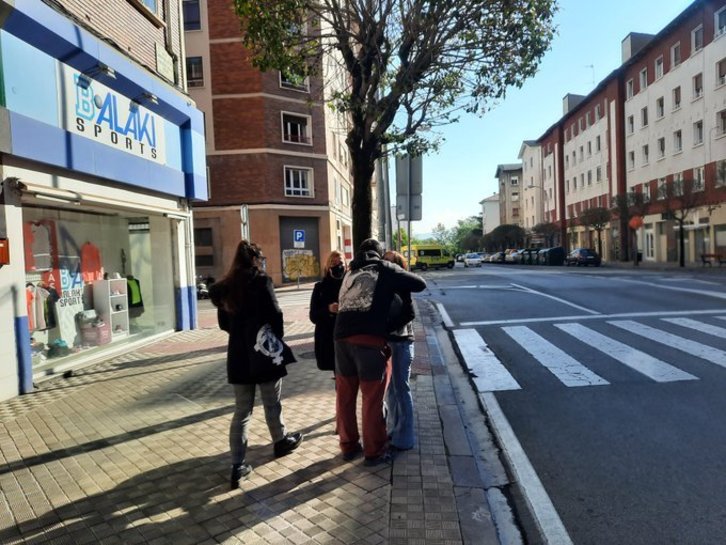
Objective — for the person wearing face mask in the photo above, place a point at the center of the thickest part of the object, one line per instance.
(324, 309)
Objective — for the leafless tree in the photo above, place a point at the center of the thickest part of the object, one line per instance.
(596, 218)
(627, 206)
(680, 198)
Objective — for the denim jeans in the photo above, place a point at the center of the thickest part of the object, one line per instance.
(399, 402)
(244, 395)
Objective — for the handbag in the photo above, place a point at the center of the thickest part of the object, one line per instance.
(268, 349)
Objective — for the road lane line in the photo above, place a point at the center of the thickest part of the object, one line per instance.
(558, 299)
(674, 341)
(715, 294)
(599, 316)
(641, 362)
(543, 511)
(567, 369)
(714, 330)
(448, 322)
(488, 373)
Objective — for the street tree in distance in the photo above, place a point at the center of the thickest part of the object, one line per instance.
(403, 68)
(680, 198)
(467, 235)
(507, 236)
(627, 206)
(596, 218)
(547, 231)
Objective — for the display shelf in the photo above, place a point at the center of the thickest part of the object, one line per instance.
(110, 299)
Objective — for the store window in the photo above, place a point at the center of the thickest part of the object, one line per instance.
(94, 279)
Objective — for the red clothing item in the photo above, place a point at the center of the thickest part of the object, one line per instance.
(375, 437)
(91, 268)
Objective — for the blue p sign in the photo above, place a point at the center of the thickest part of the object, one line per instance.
(298, 235)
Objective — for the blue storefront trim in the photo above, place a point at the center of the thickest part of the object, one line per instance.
(186, 308)
(25, 360)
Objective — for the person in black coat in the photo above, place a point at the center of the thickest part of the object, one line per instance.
(247, 309)
(324, 308)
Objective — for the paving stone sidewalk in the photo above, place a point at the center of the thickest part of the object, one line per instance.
(135, 450)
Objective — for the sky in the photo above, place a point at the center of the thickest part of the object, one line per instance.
(584, 51)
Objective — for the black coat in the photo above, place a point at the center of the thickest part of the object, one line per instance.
(325, 292)
(258, 306)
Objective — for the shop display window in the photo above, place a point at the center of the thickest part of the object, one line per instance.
(94, 279)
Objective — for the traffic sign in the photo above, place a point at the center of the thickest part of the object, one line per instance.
(298, 238)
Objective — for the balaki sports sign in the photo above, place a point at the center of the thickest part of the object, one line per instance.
(94, 111)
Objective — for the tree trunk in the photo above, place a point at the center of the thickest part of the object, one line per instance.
(681, 244)
(624, 239)
(363, 168)
(599, 242)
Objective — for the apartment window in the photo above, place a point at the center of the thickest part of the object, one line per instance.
(675, 55)
(659, 108)
(295, 129)
(582, 153)
(721, 122)
(697, 85)
(582, 124)
(721, 173)
(644, 117)
(589, 148)
(589, 177)
(661, 148)
(515, 195)
(646, 192)
(643, 78)
(719, 22)
(588, 118)
(597, 143)
(631, 124)
(721, 72)
(195, 72)
(677, 98)
(598, 112)
(515, 212)
(567, 162)
(514, 180)
(345, 195)
(646, 156)
(699, 178)
(678, 184)
(203, 236)
(567, 186)
(294, 83)
(659, 67)
(698, 133)
(629, 89)
(631, 159)
(549, 171)
(677, 141)
(192, 18)
(662, 189)
(582, 180)
(574, 159)
(598, 174)
(697, 39)
(298, 182)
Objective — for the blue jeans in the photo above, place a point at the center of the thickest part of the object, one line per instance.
(244, 403)
(399, 402)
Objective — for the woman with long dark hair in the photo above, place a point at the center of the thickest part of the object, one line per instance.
(246, 304)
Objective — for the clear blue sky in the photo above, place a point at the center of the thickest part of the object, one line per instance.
(589, 33)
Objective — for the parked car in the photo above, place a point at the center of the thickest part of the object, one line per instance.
(528, 256)
(460, 258)
(496, 257)
(551, 256)
(510, 255)
(472, 260)
(583, 257)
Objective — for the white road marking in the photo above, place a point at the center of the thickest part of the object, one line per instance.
(599, 316)
(674, 341)
(445, 316)
(488, 372)
(714, 330)
(714, 294)
(641, 362)
(567, 369)
(558, 299)
(540, 505)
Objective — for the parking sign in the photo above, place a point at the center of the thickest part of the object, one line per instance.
(298, 238)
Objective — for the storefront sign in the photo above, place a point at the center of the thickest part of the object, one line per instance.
(94, 111)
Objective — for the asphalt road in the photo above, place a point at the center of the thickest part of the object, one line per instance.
(613, 382)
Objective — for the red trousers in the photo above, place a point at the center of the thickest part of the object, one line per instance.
(372, 387)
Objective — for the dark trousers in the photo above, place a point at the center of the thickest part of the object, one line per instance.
(361, 368)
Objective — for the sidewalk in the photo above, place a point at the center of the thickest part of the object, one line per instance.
(134, 450)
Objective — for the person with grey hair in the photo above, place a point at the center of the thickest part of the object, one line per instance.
(361, 352)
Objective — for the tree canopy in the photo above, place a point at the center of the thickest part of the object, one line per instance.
(400, 69)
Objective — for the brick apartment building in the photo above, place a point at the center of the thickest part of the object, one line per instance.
(509, 177)
(655, 121)
(278, 163)
(102, 156)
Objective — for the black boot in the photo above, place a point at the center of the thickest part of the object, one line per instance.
(289, 443)
(239, 472)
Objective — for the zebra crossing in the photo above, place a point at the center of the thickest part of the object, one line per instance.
(490, 374)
